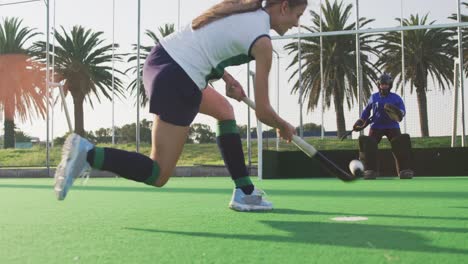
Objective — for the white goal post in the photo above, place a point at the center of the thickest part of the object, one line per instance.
(457, 81)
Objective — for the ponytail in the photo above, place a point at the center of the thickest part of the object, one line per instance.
(230, 7)
(224, 9)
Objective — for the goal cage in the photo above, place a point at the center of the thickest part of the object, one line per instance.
(444, 103)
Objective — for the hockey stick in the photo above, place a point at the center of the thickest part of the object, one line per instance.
(313, 153)
(368, 122)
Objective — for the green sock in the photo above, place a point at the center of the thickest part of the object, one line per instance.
(130, 165)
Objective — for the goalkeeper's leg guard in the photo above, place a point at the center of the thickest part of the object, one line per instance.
(401, 148)
(368, 156)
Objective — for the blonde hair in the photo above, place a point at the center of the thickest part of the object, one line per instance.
(230, 7)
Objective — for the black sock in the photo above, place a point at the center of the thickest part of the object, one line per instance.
(130, 165)
(230, 145)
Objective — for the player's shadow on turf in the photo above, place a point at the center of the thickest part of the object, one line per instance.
(336, 214)
(403, 238)
(274, 192)
(137, 188)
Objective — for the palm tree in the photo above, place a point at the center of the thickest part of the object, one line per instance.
(84, 61)
(166, 30)
(427, 52)
(21, 82)
(339, 56)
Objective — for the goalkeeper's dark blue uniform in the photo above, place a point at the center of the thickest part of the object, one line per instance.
(380, 118)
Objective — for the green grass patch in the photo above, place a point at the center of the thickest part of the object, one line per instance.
(200, 153)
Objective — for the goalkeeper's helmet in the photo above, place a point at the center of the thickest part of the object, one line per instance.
(385, 78)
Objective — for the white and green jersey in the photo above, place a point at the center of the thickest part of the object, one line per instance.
(205, 52)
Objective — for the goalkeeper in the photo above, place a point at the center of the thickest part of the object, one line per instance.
(388, 110)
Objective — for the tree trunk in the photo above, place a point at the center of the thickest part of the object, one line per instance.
(79, 115)
(340, 119)
(9, 127)
(9, 137)
(422, 106)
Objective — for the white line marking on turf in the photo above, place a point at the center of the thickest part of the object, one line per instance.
(350, 218)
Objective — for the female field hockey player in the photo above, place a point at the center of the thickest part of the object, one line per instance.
(176, 78)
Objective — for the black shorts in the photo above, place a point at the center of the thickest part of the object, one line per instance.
(173, 95)
(377, 134)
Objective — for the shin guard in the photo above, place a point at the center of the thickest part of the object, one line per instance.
(368, 152)
(401, 149)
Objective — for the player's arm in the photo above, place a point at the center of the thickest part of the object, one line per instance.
(367, 110)
(262, 52)
(233, 87)
(363, 121)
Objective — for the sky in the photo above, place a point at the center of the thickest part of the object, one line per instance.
(97, 15)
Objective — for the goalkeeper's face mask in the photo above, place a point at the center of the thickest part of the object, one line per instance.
(384, 89)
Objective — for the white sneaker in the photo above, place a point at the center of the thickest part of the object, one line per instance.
(253, 202)
(73, 164)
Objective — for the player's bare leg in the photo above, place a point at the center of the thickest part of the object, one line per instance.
(167, 145)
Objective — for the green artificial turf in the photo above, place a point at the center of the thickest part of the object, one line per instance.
(424, 220)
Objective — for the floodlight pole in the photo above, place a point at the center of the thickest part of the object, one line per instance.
(249, 139)
(259, 138)
(322, 86)
(178, 15)
(277, 93)
(358, 64)
(113, 78)
(53, 77)
(259, 130)
(403, 72)
(52, 102)
(47, 86)
(460, 66)
(138, 81)
(301, 88)
(456, 81)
